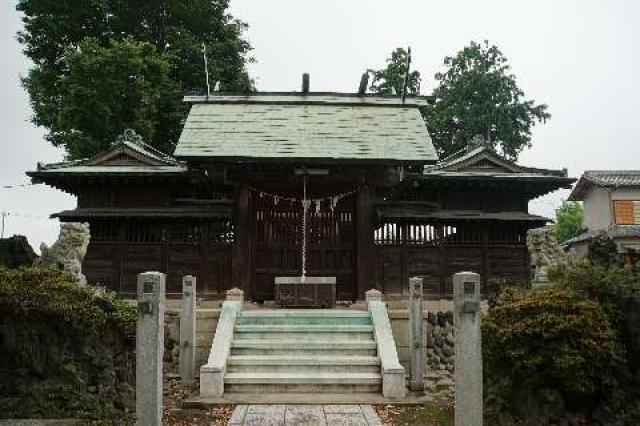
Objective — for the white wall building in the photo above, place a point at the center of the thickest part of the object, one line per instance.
(611, 205)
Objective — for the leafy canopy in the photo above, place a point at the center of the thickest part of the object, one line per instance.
(477, 95)
(569, 217)
(124, 85)
(390, 80)
(151, 41)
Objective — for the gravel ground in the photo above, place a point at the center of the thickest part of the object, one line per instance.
(437, 413)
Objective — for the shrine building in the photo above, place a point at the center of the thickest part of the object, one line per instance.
(268, 184)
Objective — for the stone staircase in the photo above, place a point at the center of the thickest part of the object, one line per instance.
(303, 351)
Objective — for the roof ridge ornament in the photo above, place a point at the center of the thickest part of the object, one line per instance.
(129, 135)
(478, 141)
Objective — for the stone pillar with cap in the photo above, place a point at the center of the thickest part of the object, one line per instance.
(416, 339)
(188, 331)
(468, 352)
(150, 348)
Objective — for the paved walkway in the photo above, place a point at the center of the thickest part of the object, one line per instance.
(304, 415)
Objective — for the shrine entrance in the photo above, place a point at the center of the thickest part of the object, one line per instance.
(330, 241)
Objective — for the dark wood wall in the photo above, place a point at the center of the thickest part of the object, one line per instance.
(437, 250)
(122, 248)
(263, 240)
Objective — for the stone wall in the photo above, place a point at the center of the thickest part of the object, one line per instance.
(206, 323)
(440, 350)
(66, 351)
(52, 370)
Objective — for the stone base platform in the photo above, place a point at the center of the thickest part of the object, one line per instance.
(304, 399)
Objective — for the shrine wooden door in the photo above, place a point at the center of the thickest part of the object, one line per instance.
(278, 244)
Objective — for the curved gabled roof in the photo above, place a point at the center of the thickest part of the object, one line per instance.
(306, 127)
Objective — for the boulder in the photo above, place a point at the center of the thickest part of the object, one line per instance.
(69, 250)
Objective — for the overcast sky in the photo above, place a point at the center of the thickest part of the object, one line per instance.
(580, 57)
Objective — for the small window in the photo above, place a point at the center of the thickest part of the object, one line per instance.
(626, 212)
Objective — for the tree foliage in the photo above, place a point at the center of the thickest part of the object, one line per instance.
(477, 95)
(390, 80)
(106, 89)
(65, 39)
(569, 218)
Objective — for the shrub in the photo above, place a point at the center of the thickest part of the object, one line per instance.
(44, 293)
(549, 339)
(618, 291)
(609, 285)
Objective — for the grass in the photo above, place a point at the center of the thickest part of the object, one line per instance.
(438, 413)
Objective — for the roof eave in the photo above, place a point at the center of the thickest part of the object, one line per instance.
(305, 160)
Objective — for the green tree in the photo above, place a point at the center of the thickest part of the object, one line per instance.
(477, 95)
(127, 84)
(56, 29)
(569, 217)
(390, 80)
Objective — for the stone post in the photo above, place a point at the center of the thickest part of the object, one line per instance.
(373, 295)
(468, 352)
(235, 295)
(188, 331)
(416, 339)
(150, 348)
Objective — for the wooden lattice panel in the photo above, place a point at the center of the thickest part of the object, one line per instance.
(624, 212)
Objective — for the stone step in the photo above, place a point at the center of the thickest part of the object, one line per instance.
(311, 328)
(304, 363)
(306, 336)
(305, 317)
(303, 347)
(318, 382)
(304, 332)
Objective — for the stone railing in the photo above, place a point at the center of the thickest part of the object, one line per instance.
(393, 374)
(212, 373)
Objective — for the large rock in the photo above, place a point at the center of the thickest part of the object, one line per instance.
(544, 251)
(16, 251)
(69, 250)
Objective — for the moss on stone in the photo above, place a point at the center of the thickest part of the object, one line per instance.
(66, 350)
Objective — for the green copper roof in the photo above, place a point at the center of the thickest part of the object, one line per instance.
(306, 127)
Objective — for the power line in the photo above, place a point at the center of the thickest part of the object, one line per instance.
(4, 215)
(27, 216)
(23, 185)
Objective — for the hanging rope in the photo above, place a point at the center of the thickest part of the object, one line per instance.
(306, 204)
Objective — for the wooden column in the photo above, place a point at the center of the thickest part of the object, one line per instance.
(442, 260)
(365, 245)
(120, 258)
(486, 268)
(242, 251)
